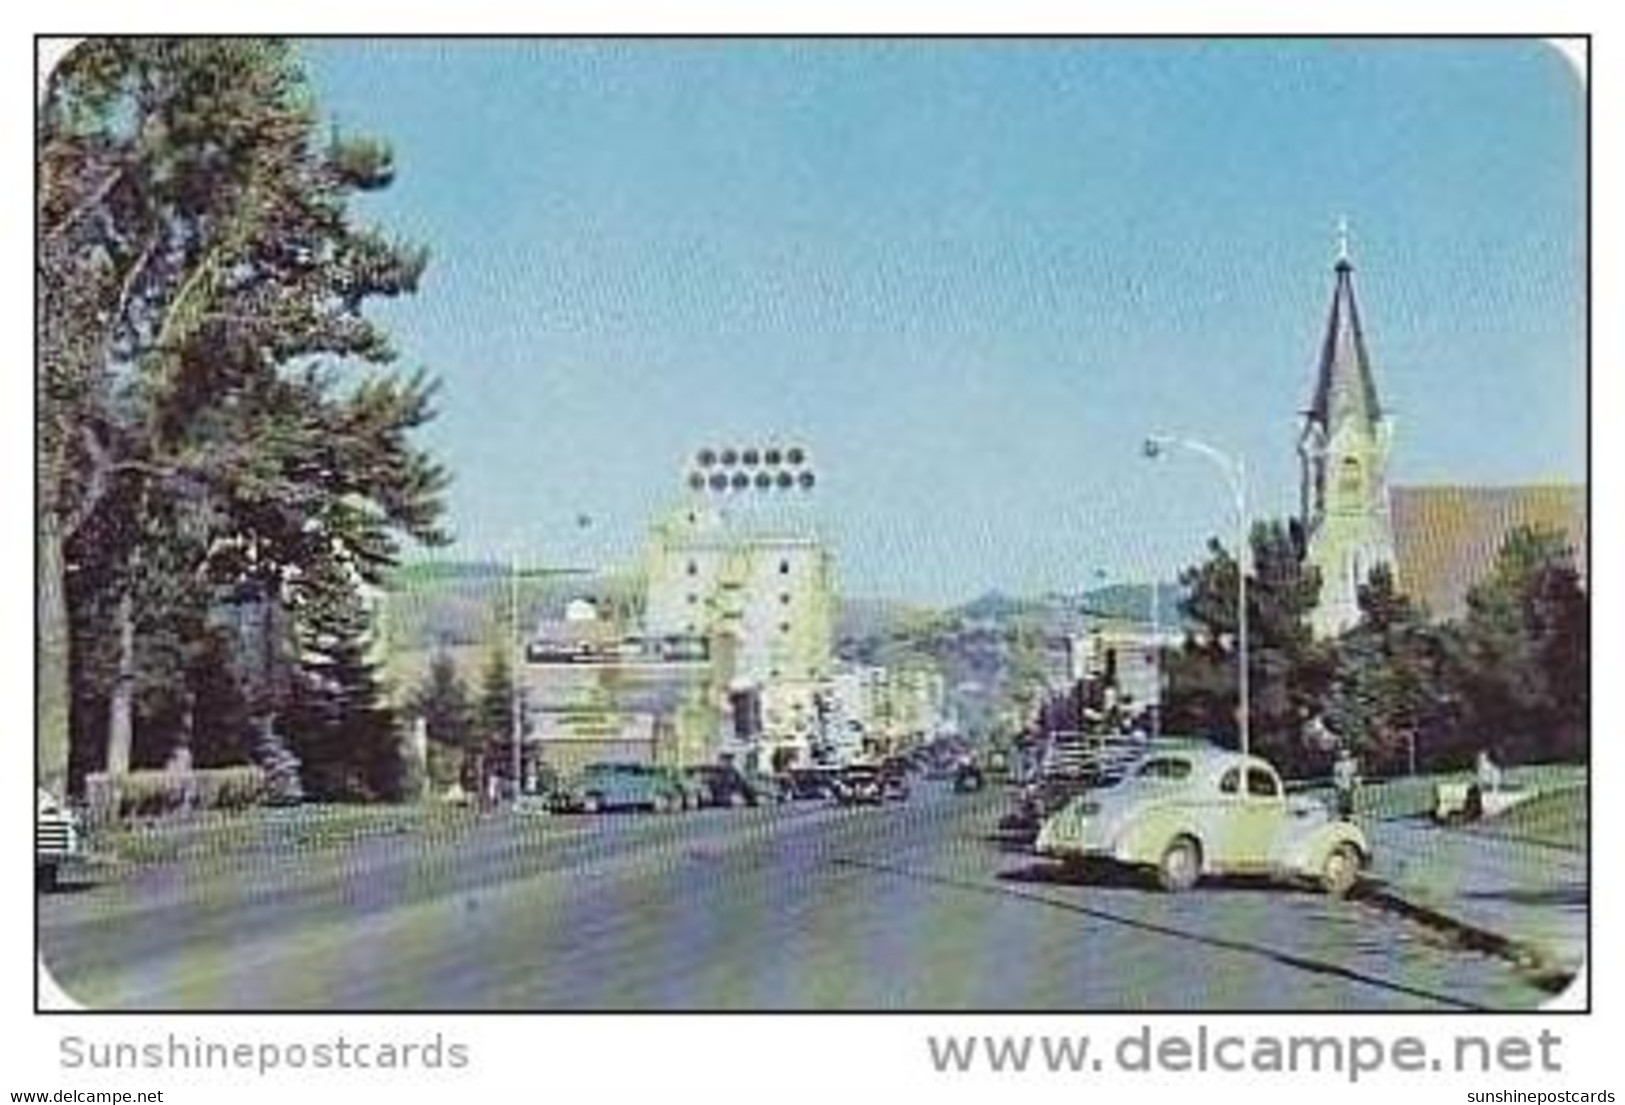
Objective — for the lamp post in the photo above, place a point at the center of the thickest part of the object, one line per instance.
(516, 669)
(1156, 659)
(516, 660)
(1235, 475)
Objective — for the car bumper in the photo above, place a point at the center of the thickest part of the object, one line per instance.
(1063, 836)
(56, 843)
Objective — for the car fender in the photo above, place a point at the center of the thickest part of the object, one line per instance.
(1144, 836)
(1306, 852)
(1064, 831)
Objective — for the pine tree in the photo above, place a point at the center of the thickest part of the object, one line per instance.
(347, 738)
(1391, 697)
(494, 712)
(1526, 651)
(442, 701)
(1287, 671)
(205, 426)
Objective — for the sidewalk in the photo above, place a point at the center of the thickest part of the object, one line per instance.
(1520, 897)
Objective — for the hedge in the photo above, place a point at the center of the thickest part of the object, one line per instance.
(150, 794)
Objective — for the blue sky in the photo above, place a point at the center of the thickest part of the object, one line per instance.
(969, 277)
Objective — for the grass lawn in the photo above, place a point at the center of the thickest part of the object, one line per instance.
(1412, 796)
(1558, 817)
(268, 829)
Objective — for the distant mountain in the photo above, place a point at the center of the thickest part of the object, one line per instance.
(867, 617)
(996, 606)
(1062, 612)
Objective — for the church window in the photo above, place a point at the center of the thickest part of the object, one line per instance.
(1348, 480)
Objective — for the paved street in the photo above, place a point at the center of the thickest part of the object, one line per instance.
(804, 906)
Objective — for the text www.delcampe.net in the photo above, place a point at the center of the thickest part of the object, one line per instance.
(1145, 1051)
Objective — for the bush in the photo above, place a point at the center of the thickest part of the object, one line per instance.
(141, 795)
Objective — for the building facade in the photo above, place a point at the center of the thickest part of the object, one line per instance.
(1343, 452)
(764, 603)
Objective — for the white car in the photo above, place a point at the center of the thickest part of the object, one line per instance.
(1207, 811)
(56, 838)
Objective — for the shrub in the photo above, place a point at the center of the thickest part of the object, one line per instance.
(141, 795)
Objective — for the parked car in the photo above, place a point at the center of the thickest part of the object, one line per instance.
(968, 776)
(1185, 814)
(601, 788)
(870, 784)
(894, 772)
(811, 781)
(725, 785)
(690, 791)
(1074, 765)
(57, 839)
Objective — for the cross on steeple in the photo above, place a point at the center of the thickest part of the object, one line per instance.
(1343, 240)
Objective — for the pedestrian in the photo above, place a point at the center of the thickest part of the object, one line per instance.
(1346, 782)
(1488, 771)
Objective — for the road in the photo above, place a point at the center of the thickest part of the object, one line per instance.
(805, 906)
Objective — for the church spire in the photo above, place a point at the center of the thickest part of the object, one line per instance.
(1343, 450)
(1344, 386)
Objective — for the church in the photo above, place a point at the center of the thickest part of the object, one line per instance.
(1438, 540)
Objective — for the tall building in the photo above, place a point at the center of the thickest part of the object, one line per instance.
(1343, 451)
(740, 568)
(770, 595)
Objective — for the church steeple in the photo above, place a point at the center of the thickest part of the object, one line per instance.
(1344, 388)
(1343, 450)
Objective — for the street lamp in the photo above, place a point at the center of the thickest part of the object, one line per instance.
(1156, 658)
(1235, 475)
(516, 660)
(516, 669)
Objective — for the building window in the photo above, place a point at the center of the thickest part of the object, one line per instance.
(693, 568)
(784, 598)
(1348, 479)
(784, 627)
(692, 599)
(784, 567)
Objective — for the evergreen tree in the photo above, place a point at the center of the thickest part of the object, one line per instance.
(494, 712)
(204, 424)
(1525, 655)
(442, 701)
(347, 739)
(1287, 670)
(1392, 697)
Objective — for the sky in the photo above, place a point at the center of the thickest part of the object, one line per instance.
(969, 277)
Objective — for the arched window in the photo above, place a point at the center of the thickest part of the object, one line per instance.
(1348, 476)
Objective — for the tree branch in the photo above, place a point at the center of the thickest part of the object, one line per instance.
(78, 211)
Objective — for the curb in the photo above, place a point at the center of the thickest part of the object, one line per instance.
(1538, 965)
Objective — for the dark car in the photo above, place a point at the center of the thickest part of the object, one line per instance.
(968, 777)
(870, 784)
(894, 772)
(811, 781)
(723, 785)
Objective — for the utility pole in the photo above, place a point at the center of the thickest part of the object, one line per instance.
(1234, 469)
(515, 667)
(1156, 659)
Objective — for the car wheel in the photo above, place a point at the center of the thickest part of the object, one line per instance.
(1340, 871)
(1180, 866)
